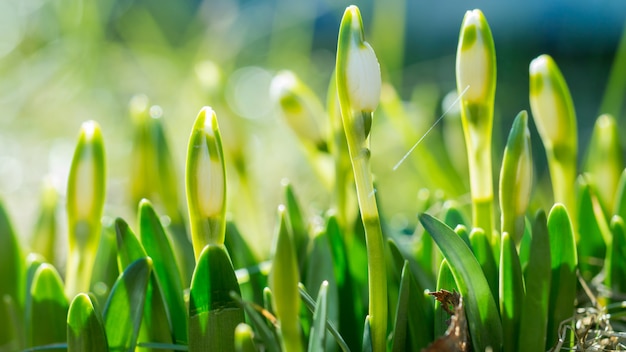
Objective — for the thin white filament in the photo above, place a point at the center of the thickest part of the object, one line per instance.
(430, 129)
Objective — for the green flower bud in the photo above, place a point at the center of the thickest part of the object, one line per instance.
(206, 182)
(300, 107)
(476, 59)
(86, 189)
(555, 118)
(516, 178)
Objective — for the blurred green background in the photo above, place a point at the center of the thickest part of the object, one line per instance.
(66, 61)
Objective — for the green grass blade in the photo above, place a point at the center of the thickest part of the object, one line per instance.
(349, 300)
(283, 281)
(511, 293)
(445, 281)
(481, 310)
(604, 160)
(615, 265)
(483, 251)
(158, 247)
(47, 308)
(85, 327)
(317, 338)
(309, 302)
(123, 311)
(537, 277)
(400, 323)
(45, 233)
(213, 313)
(593, 230)
(418, 308)
(620, 197)
(295, 220)
(12, 272)
(105, 270)
(564, 263)
(367, 336)
(129, 248)
(320, 269)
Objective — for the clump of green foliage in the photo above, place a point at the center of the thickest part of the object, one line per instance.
(343, 279)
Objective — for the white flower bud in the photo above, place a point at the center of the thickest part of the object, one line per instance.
(363, 77)
(476, 58)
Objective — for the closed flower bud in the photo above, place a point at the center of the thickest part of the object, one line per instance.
(206, 182)
(476, 59)
(357, 64)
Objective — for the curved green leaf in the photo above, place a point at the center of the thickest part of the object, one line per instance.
(534, 315)
(445, 281)
(213, 313)
(615, 265)
(12, 272)
(511, 292)
(158, 247)
(564, 263)
(318, 330)
(482, 312)
(46, 308)
(123, 311)
(85, 328)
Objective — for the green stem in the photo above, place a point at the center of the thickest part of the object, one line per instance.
(377, 276)
(563, 177)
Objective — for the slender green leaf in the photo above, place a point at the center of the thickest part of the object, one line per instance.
(537, 277)
(604, 161)
(106, 269)
(46, 308)
(128, 247)
(349, 299)
(453, 215)
(400, 324)
(620, 197)
(283, 282)
(481, 310)
(158, 247)
(320, 269)
(367, 336)
(156, 325)
(85, 327)
(445, 281)
(418, 308)
(12, 272)
(45, 232)
(213, 313)
(318, 330)
(564, 263)
(296, 223)
(593, 229)
(124, 309)
(310, 304)
(483, 251)
(615, 265)
(511, 293)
